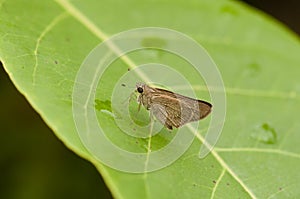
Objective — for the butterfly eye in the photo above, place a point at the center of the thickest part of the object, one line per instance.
(140, 89)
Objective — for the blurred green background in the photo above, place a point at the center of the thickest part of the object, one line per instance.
(41, 166)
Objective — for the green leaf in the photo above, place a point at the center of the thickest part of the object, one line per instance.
(43, 43)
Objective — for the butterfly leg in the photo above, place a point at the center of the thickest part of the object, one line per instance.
(139, 99)
(129, 98)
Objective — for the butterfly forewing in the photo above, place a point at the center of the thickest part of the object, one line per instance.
(176, 110)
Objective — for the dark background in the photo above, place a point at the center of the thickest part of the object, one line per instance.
(288, 12)
(35, 164)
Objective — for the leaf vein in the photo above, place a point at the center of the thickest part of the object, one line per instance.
(262, 150)
(85, 21)
(249, 92)
(223, 163)
(50, 26)
(217, 183)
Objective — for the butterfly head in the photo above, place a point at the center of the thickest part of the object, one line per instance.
(140, 87)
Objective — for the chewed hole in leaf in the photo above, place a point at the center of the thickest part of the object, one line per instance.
(102, 105)
(265, 134)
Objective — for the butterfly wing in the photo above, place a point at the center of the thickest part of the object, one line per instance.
(176, 110)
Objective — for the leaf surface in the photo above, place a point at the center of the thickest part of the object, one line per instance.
(43, 43)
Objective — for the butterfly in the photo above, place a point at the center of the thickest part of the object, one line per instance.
(171, 109)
